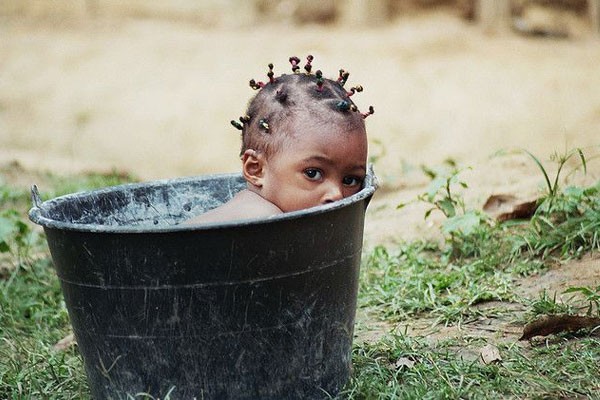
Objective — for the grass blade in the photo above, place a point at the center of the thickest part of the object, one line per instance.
(539, 164)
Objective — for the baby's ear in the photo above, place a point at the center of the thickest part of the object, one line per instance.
(253, 164)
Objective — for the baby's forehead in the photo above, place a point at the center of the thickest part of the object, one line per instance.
(306, 132)
(319, 118)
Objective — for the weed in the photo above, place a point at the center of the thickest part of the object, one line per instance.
(591, 296)
(546, 305)
(570, 227)
(440, 192)
(560, 160)
(465, 230)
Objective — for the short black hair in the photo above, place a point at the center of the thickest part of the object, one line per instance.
(283, 99)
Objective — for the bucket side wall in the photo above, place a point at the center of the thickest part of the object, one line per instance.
(252, 311)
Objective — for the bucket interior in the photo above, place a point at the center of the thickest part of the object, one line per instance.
(158, 205)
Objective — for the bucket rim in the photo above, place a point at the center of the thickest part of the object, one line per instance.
(36, 211)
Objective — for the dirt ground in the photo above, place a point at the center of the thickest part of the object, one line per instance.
(154, 98)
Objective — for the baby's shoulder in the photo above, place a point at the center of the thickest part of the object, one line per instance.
(244, 205)
(253, 205)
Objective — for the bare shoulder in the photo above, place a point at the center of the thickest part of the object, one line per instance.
(244, 205)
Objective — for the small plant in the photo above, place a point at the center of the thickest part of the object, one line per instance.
(591, 296)
(567, 220)
(570, 228)
(553, 188)
(546, 305)
(465, 230)
(440, 191)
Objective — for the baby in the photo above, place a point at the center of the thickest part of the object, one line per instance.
(304, 144)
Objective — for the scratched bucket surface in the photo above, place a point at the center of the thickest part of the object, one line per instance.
(248, 309)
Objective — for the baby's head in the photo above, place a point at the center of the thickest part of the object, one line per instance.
(303, 139)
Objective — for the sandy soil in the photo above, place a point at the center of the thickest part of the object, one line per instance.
(155, 98)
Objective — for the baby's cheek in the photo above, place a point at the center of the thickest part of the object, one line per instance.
(302, 201)
(349, 192)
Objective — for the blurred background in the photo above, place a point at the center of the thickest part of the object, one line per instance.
(148, 87)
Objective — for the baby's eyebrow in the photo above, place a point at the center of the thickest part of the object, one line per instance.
(328, 161)
(322, 159)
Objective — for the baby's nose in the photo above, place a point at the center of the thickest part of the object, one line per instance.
(334, 192)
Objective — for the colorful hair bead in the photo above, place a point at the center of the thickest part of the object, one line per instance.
(256, 85)
(343, 77)
(244, 119)
(264, 125)
(237, 125)
(270, 74)
(343, 105)
(370, 112)
(308, 66)
(355, 89)
(295, 61)
(320, 80)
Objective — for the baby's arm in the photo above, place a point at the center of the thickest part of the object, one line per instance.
(244, 205)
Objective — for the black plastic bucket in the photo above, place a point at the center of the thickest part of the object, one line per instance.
(248, 309)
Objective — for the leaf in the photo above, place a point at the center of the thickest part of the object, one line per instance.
(7, 227)
(447, 207)
(504, 207)
(583, 162)
(552, 324)
(401, 205)
(404, 362)
(65, 343)
(7, 232)
(490, 354)
(466, 223)
(431, 174)
(583, 290)
(539, 164)
(434, 187)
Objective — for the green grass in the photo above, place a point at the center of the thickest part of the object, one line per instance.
(441, 284)
(480, 261)
(33, 316)
(565, 368)
(414, 280)
(33, 319)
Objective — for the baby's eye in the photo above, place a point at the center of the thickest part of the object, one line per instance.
(313, 174)
(352, 181)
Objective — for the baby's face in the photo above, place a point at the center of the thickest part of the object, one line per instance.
(315, 167)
